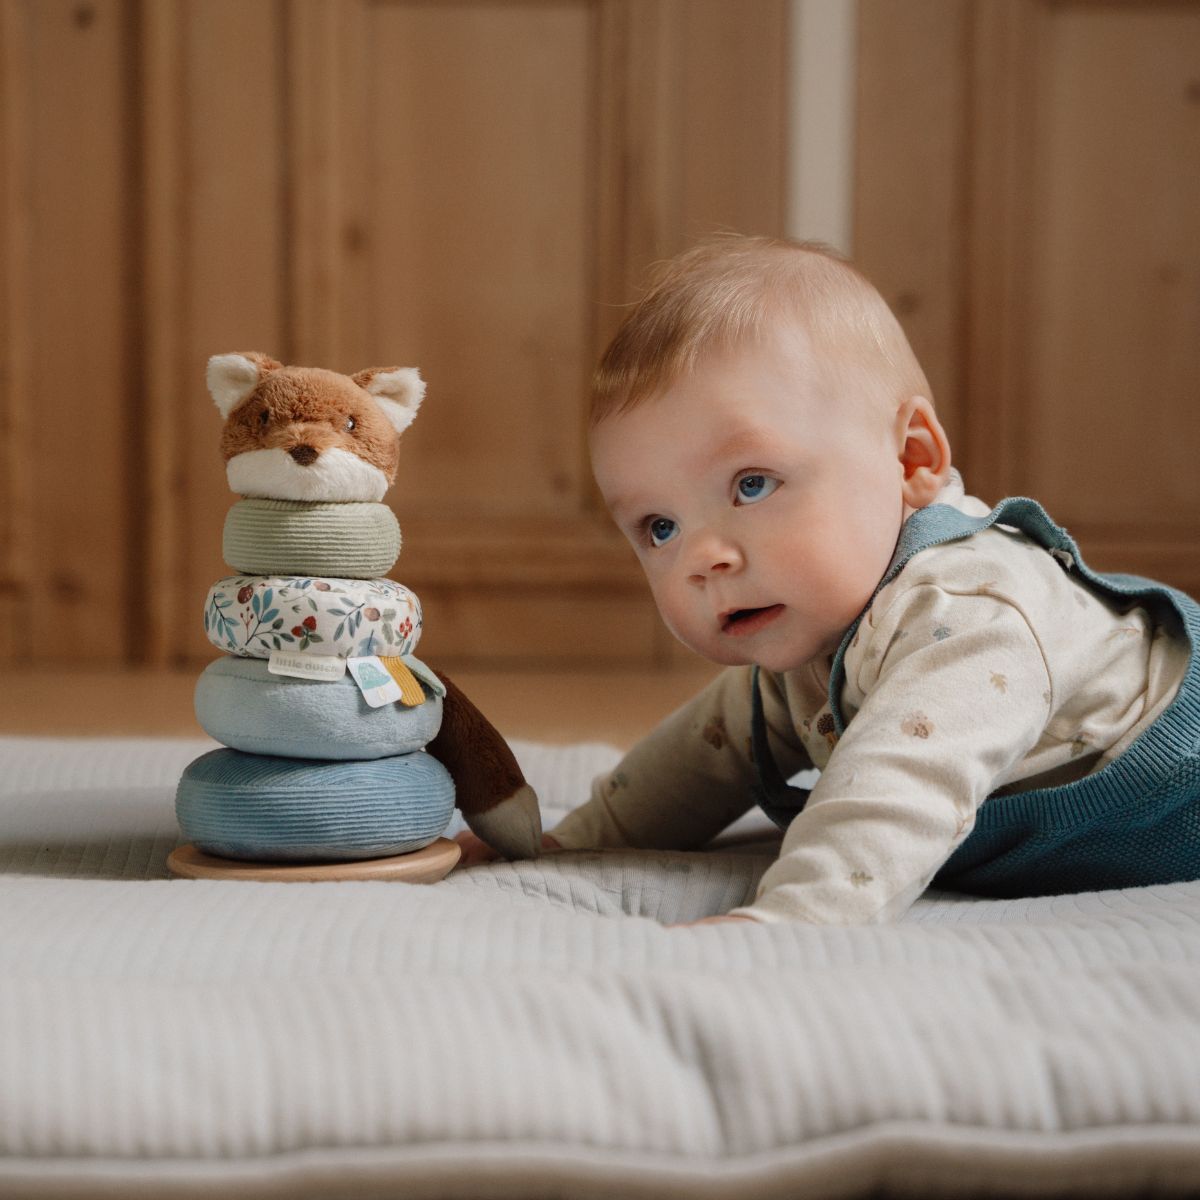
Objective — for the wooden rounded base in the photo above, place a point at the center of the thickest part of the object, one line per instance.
(427, 865)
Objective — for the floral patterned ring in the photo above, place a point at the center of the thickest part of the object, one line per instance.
(252, 615)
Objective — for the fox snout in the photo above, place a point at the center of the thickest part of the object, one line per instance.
(302, 441)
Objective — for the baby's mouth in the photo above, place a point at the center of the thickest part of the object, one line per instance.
(741, 621)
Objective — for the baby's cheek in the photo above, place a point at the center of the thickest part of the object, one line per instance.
(667, 606)
(674, 613)
(834, 576)
(856, 577)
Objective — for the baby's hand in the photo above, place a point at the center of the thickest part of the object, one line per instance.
(476, 850)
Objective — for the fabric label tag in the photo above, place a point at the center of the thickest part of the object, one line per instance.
(411, 691)
(327, 667)
(424, 674)
(374, 681)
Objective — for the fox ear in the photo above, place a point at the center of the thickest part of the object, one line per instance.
(399, 391)
(232, 377)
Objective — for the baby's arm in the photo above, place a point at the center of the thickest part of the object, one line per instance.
(957, 692)
(689, 778)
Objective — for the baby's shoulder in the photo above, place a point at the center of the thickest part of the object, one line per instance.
(1000, 562)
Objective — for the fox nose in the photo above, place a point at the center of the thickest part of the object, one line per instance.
(304, 455)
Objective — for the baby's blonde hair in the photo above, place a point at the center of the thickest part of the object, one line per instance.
(729, 290)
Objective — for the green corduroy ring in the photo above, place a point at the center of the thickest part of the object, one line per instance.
(348, 540)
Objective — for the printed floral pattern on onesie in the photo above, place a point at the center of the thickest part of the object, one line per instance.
(943, 695)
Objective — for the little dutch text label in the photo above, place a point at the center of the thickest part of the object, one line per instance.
(306, 666)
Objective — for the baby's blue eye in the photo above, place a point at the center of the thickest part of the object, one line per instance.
(661, 530)
(755, 487)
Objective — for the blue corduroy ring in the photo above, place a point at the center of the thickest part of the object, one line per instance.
(263, 807)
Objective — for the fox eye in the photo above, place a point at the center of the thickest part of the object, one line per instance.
(351, 424)
(264, 417)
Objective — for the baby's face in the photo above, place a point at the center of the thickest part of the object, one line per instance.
(764, 509)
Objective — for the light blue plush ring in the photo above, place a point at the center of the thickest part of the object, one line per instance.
(242, 705)
(260, 807)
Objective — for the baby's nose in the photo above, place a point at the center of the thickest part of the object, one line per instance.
(714, 557)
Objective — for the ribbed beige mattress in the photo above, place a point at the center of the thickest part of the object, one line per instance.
(532, 1030)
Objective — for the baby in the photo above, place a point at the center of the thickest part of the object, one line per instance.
(984, 710)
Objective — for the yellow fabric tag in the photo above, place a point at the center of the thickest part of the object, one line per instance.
(411, 691)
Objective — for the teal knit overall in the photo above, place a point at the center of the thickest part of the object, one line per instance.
(1134, 822)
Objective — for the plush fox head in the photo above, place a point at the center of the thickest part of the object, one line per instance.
(301, 433)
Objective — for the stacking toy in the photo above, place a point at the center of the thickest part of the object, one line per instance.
(344, 755)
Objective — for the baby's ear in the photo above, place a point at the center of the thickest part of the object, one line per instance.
(924, 452)
(399, 391)
(232, 377)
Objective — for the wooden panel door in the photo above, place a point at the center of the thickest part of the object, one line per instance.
(473, 187)
(495, 178)
(1046, 156)
(474, 258)
(69, 465)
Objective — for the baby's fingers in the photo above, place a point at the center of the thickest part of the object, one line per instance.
(474, 850)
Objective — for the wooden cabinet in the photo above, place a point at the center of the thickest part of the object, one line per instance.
(1029, 202)
(469, 186)
(71, 475)
(475, 187)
